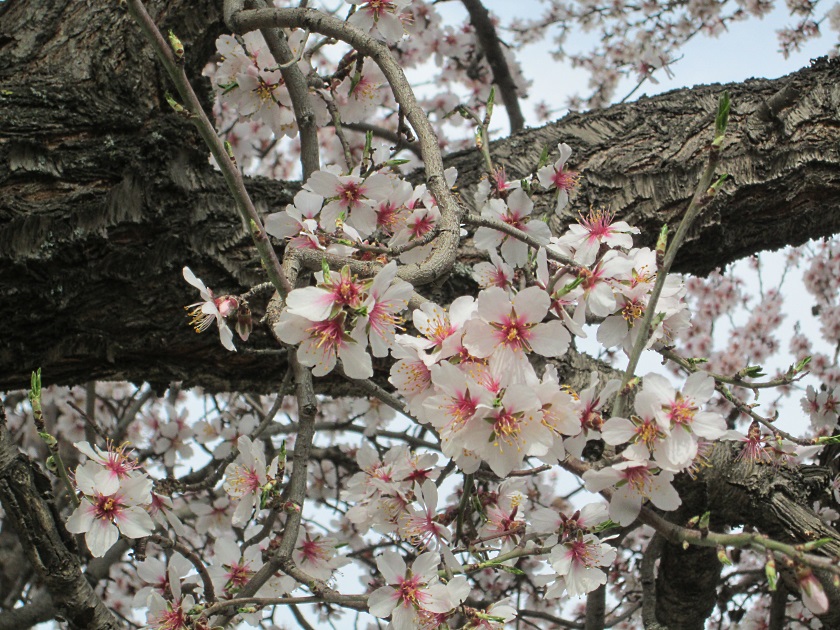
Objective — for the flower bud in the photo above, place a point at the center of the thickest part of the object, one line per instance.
(813, 594)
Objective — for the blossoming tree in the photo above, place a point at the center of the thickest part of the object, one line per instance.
(418, 439)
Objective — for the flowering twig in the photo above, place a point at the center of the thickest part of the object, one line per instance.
(501, 226)
(702, 196)
(444, 254)
(196, 114)
(704, 538)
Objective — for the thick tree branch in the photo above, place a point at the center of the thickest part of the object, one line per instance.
(106, 195)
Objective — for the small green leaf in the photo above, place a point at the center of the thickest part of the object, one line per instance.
(722, 118)
(543, 157)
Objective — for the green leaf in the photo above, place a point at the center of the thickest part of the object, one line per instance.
(722, 118)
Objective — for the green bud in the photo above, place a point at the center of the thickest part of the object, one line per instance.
(177, 46)
(51, 464)
(723, 557)
(543, 157)
(770, 572)
(722, 119)
(49, 440)
(490, 101)
(661, 244)
(175, 105)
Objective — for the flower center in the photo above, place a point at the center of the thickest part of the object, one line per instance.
(632, 311)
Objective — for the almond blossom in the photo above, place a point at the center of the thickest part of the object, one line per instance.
(212, 309)
(387, 297)
(443, 328)
(247, 477)
(634, 482)
(591, 232)
(514, 211)
(679, 415)
(506, 330)
(316, 555)
(577, 561)
(115, 465)
(349, 197)
(558, 176)
(103, 517)
(322, 343)
(504, 433)
(408, 591)
(380, 17)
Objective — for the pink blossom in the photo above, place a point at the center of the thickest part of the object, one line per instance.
(316, 555)
(103, 517)
(408, 591)
(506, 330)
(577, 561)
(559, 177)
(323, 343)
(503, 434)
(515, 212)
(381, 17)
(116, 465)
(591, 232)
(212, 309)
(387, 297)
(634, 482)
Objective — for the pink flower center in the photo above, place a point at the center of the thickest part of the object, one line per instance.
(681, 411)
(378, 7)
(238, 576)
(421, 226)
(409, 590)
(638, 478)
(244, 481)
(386, 216)
(329, 332)
(565, 180)
(172, 619)
(350, 193)
(312, 550)
(107, 507)
(513, 333)
(598, 224)
(462, 409)
(581, 553)
(507, 425)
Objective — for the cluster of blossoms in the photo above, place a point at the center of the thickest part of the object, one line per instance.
(467, 372)
(114, 493)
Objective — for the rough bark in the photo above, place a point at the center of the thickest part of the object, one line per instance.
(105, 195)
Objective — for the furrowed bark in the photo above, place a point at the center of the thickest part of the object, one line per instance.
(106, 194)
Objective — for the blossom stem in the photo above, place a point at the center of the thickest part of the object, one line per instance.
(196, 114)
(501, 226)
